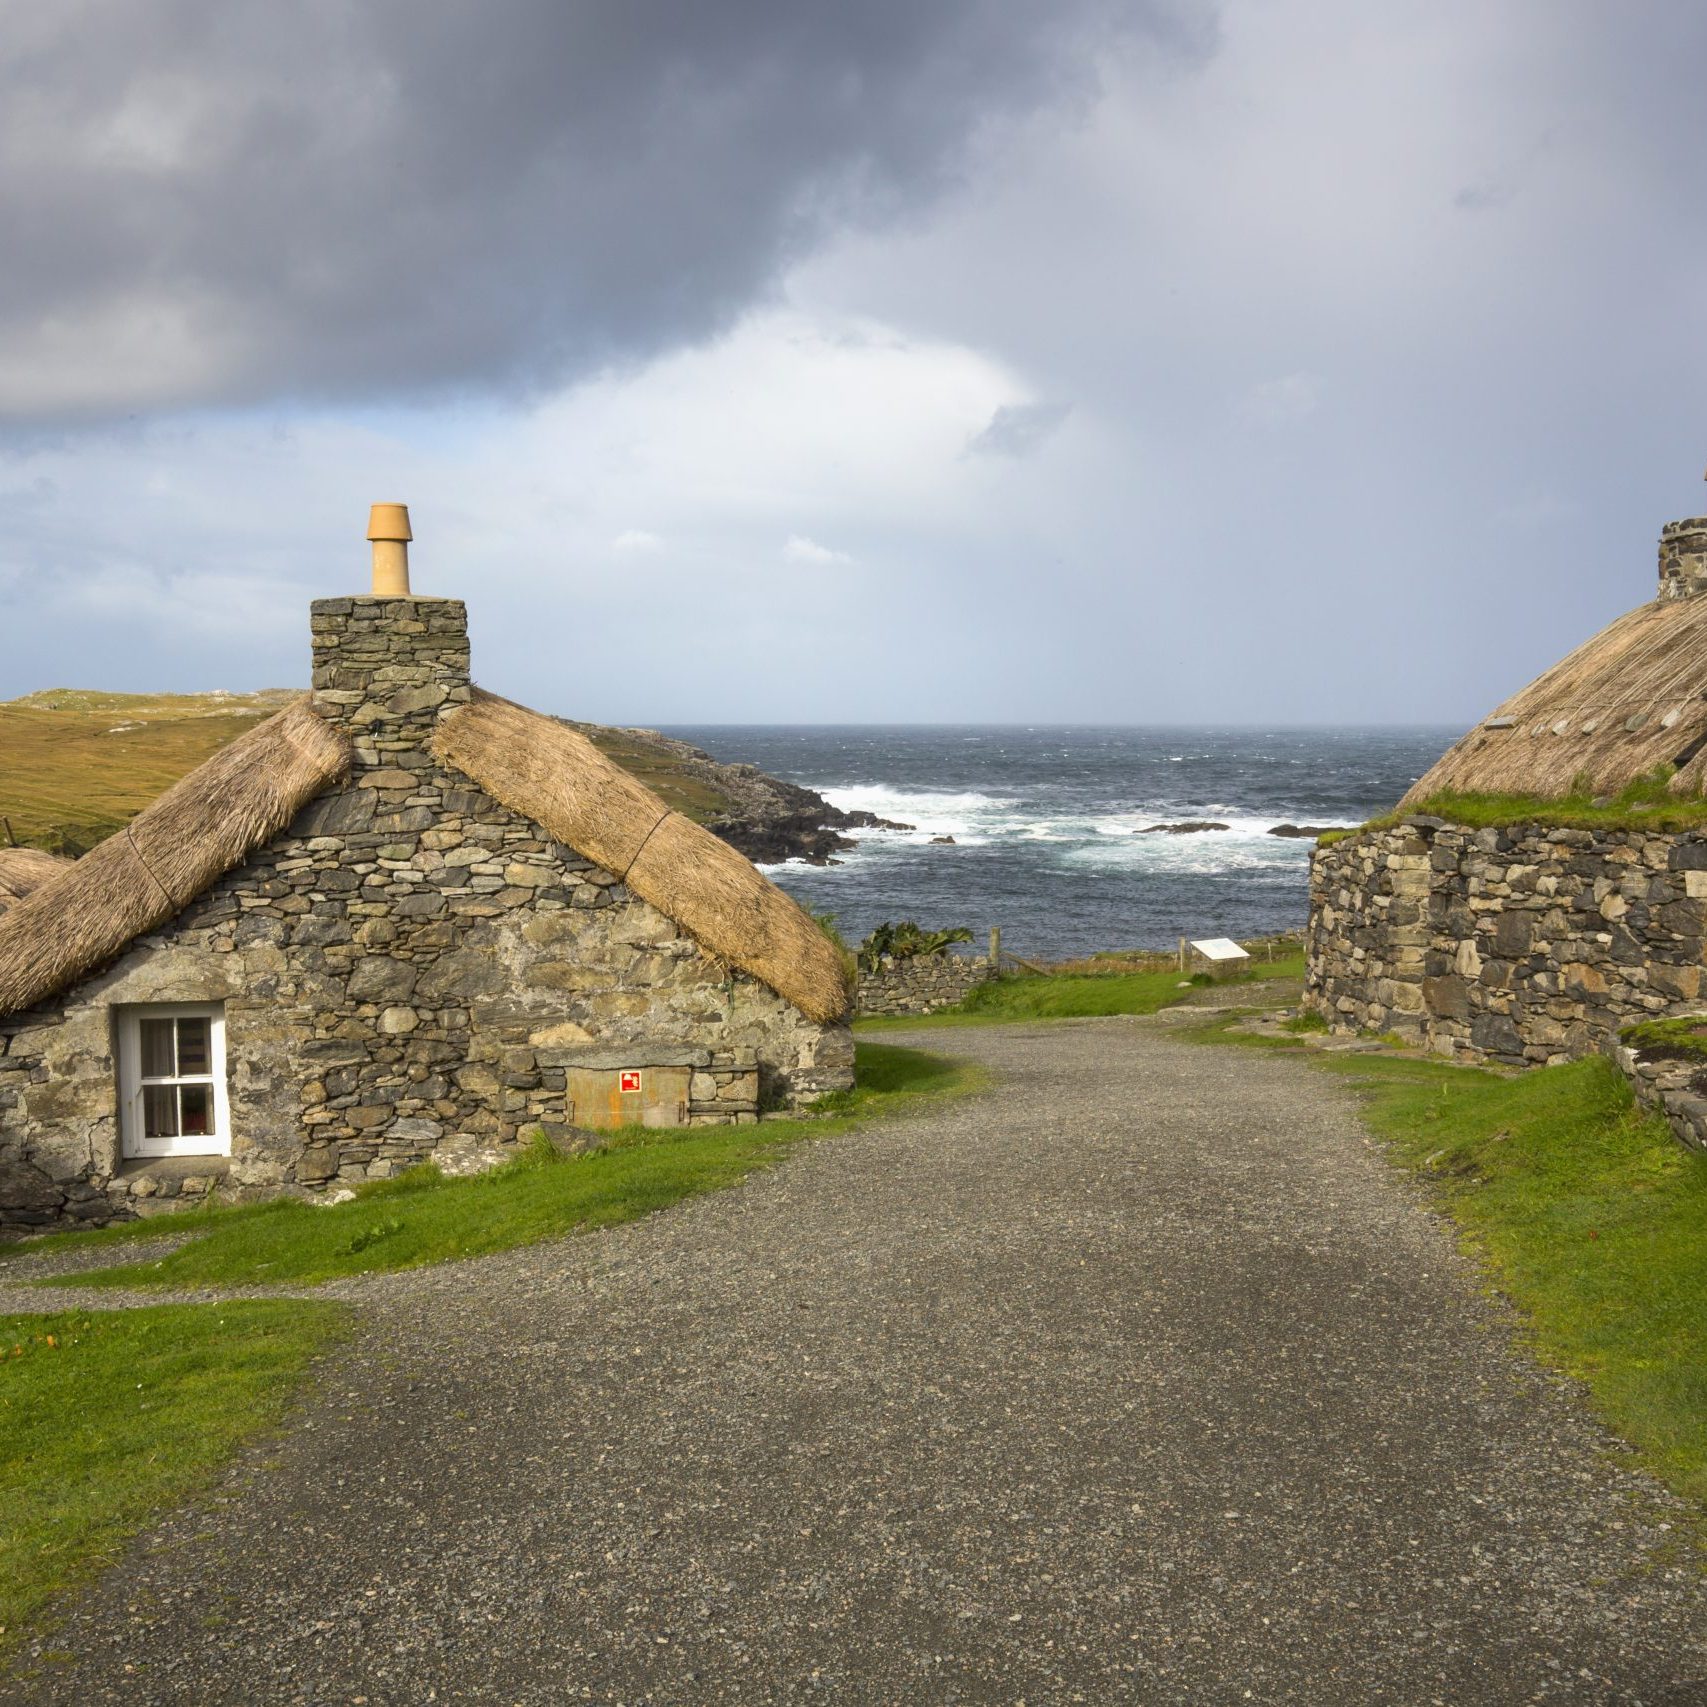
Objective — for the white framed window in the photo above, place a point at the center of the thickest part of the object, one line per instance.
(172, 1099)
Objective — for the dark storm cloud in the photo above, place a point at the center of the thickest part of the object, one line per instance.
(206, 202)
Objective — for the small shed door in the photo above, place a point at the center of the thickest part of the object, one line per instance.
(604, 1097)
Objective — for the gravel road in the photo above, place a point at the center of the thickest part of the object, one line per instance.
(1140, 1377)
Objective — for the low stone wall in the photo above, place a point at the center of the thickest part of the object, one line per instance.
(1675, 1090)
(1522, 945)
(921, 985)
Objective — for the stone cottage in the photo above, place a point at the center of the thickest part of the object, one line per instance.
(402, 919)
(1524, 943)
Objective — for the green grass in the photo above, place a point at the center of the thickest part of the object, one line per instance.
(1646, 804)
(1589, 1215)
(107, 1417)
(1072, 995)
(1594, 1219)
(420, 1217)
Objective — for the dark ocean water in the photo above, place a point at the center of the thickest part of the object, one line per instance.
(1043, 818)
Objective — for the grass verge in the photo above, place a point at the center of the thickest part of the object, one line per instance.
(107, 1417)
(1589, 1216)
(1646, 804)
(420, 1217)
(1071, 995)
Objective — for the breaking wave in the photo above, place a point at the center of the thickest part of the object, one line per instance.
(1046, 824)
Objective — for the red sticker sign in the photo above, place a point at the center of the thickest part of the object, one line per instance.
(628, 1080)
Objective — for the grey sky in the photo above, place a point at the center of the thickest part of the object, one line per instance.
(1277, 360)
(217, 203)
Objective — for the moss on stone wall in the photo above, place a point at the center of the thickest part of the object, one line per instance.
(1647, 804)
(1683, 1039)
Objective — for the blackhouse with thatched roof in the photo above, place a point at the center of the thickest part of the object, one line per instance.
(402, 919)
(1545, 882)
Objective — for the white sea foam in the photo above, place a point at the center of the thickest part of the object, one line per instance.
(1119, 844)
(1044, 823)
(1110, 841)
(968, 817)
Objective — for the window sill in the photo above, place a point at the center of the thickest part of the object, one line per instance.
(174, 1168)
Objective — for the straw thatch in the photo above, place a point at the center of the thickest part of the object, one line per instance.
(137, 879)
(24, 869)
(1631, 699)
(550, 773)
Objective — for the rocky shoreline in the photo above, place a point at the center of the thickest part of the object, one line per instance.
(773, 822)
(761, 816)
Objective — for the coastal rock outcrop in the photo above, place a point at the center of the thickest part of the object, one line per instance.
(766, 819)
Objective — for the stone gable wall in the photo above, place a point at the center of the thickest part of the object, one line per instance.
(410, 971)
(1522, 945)
(922, 984)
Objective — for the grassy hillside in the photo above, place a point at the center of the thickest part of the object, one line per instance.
(75, 765)
(693, 795)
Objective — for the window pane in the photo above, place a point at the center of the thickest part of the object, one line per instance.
(197, 1104)
(157, 1059)
(159, 1111)
(193, 1051)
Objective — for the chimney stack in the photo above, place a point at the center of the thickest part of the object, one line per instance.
(388, 528)
(388, 664)
(1683, 558)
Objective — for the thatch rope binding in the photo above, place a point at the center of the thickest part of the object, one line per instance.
(206, 823)
(142, 860)
(554, 775)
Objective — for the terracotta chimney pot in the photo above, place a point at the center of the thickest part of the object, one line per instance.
(388, 528)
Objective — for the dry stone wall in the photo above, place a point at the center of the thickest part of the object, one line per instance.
(1523, 944)
(1674, 1089)
(411, 971)
(922, 984)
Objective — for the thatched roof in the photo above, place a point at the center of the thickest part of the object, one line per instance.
(167, 855)
(83, 915)
(1631, 699)
(24, 869)
(548, 772)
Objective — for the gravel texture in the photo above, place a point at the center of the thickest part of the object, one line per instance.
(1139, 1378)
(28, 1260)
